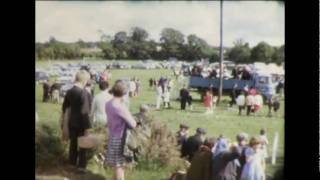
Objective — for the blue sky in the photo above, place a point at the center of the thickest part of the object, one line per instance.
(252, 21)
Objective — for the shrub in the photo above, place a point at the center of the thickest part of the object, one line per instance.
(102, 133)
(161, 149)
(49, 146)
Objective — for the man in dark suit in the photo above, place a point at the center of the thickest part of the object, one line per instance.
(184, 96)
(77, 99)
(46, 91)
(191, 146)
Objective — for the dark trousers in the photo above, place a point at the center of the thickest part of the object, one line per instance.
(249, 110)
(45, 97)
(164, 104)
(233, 101)
(77, 156)
(240, 109)
(183, 103)
(189, 100)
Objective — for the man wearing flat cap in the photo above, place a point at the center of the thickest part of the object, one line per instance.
(182, 134)
(191, 146)
(234, 168)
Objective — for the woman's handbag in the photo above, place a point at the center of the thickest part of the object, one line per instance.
(88, 142)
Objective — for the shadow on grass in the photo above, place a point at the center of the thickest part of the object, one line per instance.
(66, 172)
(276, 172)
(87, 176)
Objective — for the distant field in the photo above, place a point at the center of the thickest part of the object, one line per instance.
(222, 121)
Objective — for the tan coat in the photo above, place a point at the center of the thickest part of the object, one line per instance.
(201, 165)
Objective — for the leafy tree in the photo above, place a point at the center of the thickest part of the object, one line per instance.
(138, 44)
(108, 51)
(139, 34)
(197, 48)
(121, 43)
(278, 55)
(262, 52)
(172, 43)
(240, 53)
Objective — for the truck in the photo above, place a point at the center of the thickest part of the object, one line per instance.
(263, 82)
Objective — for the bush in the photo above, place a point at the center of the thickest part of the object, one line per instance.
(161, 149)
(102, 133)
(49, 146)
(157, 146)
(158, 149)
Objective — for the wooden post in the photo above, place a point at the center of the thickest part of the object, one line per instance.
(221, 54)
(274, 148)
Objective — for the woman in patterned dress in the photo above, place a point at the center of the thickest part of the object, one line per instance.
(119, 119)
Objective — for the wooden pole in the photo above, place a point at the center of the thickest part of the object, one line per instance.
(274, 148)
(221, 53)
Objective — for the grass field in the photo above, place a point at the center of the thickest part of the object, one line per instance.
(222, 121)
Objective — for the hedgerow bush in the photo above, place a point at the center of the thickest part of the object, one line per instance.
(50, 149)
(158, 150)
(161, 149)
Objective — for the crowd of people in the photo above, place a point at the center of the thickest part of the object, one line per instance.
(243, 73)
(107, 107)
(52, 91)
(252, 100)
(218, 159)
(248, 99)
(210, 158)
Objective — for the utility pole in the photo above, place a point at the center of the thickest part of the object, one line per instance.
(221, 54)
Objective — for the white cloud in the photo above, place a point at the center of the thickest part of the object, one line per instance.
(251, 21)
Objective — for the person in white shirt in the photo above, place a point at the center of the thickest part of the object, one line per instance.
(98, 112)
(264, 143)
(159, 96)
(250, 101)
(241, 102)
(138, 87)
(166, 97)
(132, 88)
(170, 84)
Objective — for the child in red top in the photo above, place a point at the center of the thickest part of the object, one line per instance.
(208, 101)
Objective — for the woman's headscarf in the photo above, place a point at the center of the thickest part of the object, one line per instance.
(222, 146)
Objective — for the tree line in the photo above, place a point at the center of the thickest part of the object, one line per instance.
(172, 43)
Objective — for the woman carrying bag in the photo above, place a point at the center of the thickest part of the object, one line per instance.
(119, 119)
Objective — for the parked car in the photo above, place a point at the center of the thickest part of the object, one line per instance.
(41, 76)
(174, 65)
(164, 64)
(121, 65)
(139, 65)
(151, 64)
(66, 78)
(64, 88)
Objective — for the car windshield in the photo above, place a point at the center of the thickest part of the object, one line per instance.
(263, 80)
(275, 79)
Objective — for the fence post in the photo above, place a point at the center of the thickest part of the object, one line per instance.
(274, 148)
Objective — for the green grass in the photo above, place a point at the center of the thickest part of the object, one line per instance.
(221, 121)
